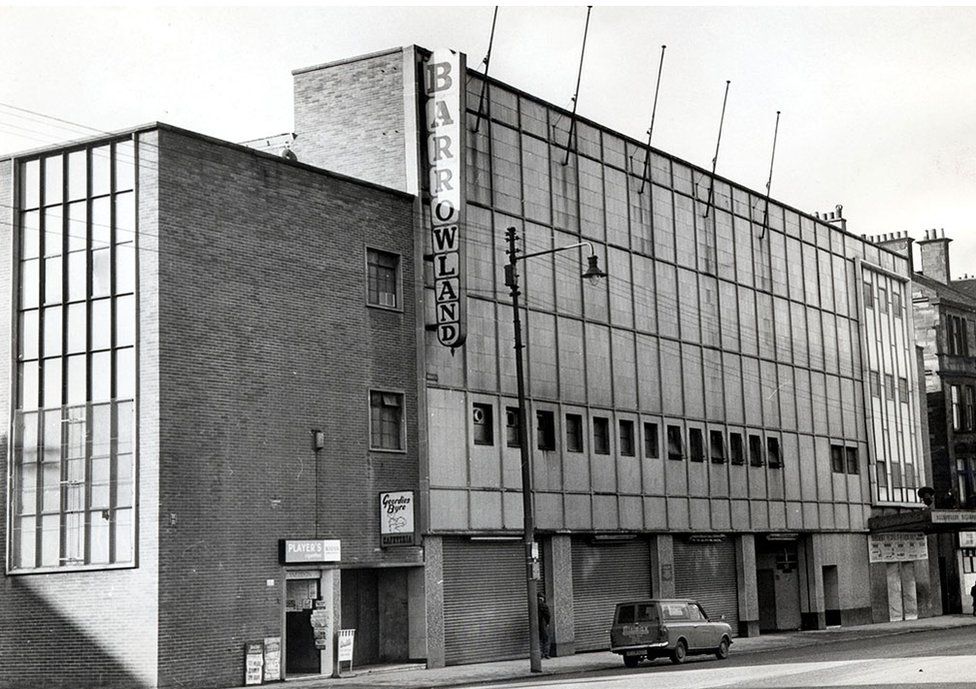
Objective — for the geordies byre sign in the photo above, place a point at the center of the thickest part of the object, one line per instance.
(396, 518)
(444, 89)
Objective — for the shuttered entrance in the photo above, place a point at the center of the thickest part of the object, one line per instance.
(485, 615)
(706, 572)
(605, 574)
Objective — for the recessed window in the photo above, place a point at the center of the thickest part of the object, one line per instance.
(627, 438)
(868, 296)
(736, 450)
(651, 443)
(483, 424)
(837, 459)
(512, 426)
(574, 433)
(903, 390)
(386, 420)
(716, 446)
(756, 457)
(889, 387)
(852, 463)
(773, 455)
(382, 278)
(874, 379)
(545, 430)
(696, 445)
(882, 300)
(601, 435)
(970, 408)
(956, 408)
(675, 444)
(896, 305)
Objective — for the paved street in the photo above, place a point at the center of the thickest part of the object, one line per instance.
(930, 652)
(940, 658)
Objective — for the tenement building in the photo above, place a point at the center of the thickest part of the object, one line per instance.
(256, 399)
(945, 328)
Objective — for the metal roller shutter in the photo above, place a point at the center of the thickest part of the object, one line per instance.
(485, 616)
(706, 572)
(604, 575)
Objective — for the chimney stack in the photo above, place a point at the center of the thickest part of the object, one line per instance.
(934, 250)
(834, 217)
(900, 243)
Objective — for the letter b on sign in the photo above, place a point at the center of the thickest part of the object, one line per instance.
(438, 76)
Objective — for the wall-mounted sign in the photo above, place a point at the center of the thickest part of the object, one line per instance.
(444, 89)
(309, 550)
(967, 539)
(897, 547)
(953, 516)
(396, 518)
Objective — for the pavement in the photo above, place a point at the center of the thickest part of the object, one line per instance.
(417, 676)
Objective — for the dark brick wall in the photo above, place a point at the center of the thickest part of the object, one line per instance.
(91, 628)
(349, 118)
(264, 336)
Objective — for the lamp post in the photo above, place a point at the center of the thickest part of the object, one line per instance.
(593, 273)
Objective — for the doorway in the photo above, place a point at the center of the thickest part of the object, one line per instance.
(301, 655)
(375, 604)
(831, 585)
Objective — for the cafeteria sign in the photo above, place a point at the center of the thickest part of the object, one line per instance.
(396, 518)
(444, 89)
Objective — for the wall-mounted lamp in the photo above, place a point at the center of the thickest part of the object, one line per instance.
(318, 440)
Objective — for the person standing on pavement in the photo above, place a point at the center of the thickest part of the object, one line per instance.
(972, 592)
(544, 617)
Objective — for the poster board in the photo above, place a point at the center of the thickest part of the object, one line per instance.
(253, 662)
(272, 658)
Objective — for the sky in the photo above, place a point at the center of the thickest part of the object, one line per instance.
(878, 104)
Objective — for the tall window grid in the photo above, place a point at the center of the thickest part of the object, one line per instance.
(73, 493)
(386, 420)
(382, 278)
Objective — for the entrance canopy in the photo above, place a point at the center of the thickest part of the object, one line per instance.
(925, 521)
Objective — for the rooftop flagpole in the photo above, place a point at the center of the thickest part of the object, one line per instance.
(650, 131)
(579, 76)
(711, 182)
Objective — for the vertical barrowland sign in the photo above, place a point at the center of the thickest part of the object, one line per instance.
(444, 88)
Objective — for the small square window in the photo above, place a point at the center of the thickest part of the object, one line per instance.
(736, 450)
(627, 438)
(852, 463)
(512, 426)
(756, 457)
(382, 279)
(675, 445)
(483, 424)
(601, 435)
(837, 459)
(386, 420)
(773, 455)
(716, 446)
(545, 426)
(696, 445)
(651, 443)
(574, 433)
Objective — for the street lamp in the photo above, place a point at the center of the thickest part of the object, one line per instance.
(593, 274)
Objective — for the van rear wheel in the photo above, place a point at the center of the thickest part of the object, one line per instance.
(632, 661)
(680, 652)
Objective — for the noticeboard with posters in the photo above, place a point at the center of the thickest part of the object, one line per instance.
(897, 547)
